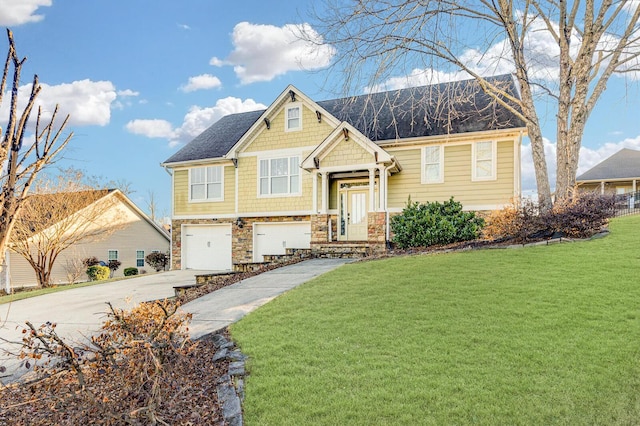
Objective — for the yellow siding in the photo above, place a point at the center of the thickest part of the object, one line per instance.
(248, 200)
(312, 133)
(457, 178)
(181, 203)
(346, 153)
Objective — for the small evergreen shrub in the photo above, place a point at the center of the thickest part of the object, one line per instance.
(98, 273)
(431, 223)
(130, 271)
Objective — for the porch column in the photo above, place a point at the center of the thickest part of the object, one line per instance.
(634, 186)
(325, 193)
(314, 202)
(601, 188)
(372, 190)
(382, 190)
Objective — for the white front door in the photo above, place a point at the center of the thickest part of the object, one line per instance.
(357, 215)
(354, 206)
(206, 247)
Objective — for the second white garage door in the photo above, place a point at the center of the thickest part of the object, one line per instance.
(275, 238)
(206, 247)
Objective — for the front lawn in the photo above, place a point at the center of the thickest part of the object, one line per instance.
(541, 335)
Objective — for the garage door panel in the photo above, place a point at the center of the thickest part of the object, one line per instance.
(276, 238)
(206, 247)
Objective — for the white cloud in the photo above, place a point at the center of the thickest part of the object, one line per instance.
(150, 128)
(263, 52)
(201, 82)
(216, 62)
(128, 93)
(87, 102)
(195, 121)
(198, 119)
(184, 26)
(17, 12)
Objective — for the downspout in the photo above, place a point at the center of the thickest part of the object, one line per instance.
(170, 173)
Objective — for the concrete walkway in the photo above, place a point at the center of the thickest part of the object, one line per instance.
(80, 312)
(227, 305)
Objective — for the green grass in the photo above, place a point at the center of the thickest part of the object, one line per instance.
(541, 335)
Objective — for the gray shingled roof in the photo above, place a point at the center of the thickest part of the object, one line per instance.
(624, 164)
(441, 109)
(218, 139)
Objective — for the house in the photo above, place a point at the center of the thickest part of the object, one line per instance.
(114, 228)
(327, 175)
(618, 174)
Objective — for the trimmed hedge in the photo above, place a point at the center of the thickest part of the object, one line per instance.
(130, 271)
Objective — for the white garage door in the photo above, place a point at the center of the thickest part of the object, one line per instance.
(275, 238)
(206, 247)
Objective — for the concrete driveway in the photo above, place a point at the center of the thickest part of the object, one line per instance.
(81, 312)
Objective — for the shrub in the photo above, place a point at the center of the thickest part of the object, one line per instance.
(422, 225)
(90, 261)
(130, 271)
(583, 215)
(98, 273)
(578, 217)
(157, 260)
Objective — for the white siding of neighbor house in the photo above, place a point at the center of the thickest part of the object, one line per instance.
(135, 234)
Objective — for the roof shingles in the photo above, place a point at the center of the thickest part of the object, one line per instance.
(441, 109)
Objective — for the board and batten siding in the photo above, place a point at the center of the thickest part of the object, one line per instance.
(457, 178)
(135, 234)
(181, 203)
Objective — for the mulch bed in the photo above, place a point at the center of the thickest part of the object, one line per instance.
(188, 396)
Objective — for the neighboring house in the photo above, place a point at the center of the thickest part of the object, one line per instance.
(135, 236)
(328, 175)
(618, 174)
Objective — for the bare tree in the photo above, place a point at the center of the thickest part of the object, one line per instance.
(60, 214)
(152, 205)
(586, 42)
(21, 162)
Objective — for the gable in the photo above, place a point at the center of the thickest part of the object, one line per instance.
(312, 132)
(347, 152)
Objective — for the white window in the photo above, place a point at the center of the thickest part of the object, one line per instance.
(433, 164)
(484, 160)
(279, 176)
(112, 255)
(293, 119)
(139, 258)
(205, 183)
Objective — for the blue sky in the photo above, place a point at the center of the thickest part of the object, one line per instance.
(141, 78)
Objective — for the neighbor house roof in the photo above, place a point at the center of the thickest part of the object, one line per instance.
(624, 164)
(440, 109)
(77, 202)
